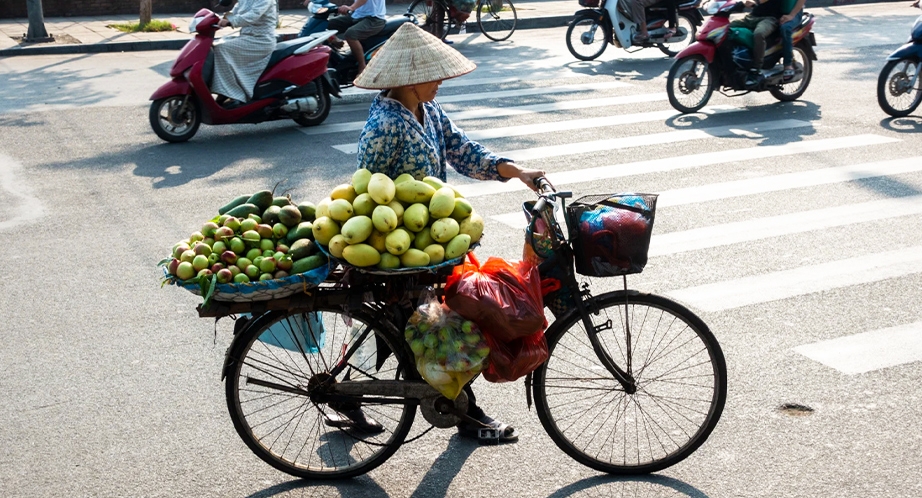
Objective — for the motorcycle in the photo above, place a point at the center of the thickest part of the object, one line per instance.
(586, 43)
(295, 85)
(342, 63)
(720, 58)
(899, 89)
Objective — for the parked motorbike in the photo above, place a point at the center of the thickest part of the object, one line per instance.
(342, 62)
(593, 28)
(720, 58)
(899, 89)
(295, 85)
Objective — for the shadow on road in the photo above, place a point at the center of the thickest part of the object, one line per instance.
(435, 483)
(649, 485)
(631, 69)
(909, 124)
(75, 87)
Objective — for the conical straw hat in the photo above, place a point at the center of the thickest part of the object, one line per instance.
(410, 57)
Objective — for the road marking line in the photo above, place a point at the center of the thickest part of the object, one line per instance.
(800, 281)
(572, 124)
(500, 94)
(761, 185)
(868, 351)
(495, 112)
(774, 226)
(30, 207)
(668, 137)
(486, 80)
(674, 163)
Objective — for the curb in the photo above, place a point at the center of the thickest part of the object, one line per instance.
(176, 44)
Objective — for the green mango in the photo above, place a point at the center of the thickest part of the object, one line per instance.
(308, 263)
(262, 199)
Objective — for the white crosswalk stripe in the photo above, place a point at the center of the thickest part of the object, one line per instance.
(852, 353)
(573, 124)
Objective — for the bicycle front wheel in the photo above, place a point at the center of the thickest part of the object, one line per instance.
(680, 375)
(431, 16)
(280, 358)
(496, 19)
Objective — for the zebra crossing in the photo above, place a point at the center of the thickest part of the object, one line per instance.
(857, 353)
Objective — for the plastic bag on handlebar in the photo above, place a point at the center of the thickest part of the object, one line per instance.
(449, 350)
(502, 297)
(512, 360)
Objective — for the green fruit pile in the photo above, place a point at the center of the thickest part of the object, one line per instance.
(254, 237)
(449, 350)
(396, 223)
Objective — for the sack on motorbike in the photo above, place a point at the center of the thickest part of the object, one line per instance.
(449, 350)
(510, 361)
(502, 297)
(611, 233)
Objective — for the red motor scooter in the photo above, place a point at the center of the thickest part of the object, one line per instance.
(720, 59)
(295, 85)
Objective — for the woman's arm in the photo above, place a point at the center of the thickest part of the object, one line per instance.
(527, 176)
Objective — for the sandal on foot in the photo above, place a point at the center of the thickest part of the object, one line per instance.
(353, 419)
(496, 432)
(788, 73)
(639, 39)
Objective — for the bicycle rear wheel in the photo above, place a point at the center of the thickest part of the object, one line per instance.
(680, 374)
(278, 358)
(432, 16)
(496, 18)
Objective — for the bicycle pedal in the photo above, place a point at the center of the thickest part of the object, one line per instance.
(488, 435)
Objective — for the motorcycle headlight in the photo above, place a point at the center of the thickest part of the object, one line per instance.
(317, 7)
(194, 24)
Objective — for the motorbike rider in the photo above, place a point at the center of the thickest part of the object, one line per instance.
(789, 22)
(762, 21)
(240, 60)
(638, 9)
(408, 132)
(361, 20)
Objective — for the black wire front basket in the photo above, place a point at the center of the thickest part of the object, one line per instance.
(611, 233)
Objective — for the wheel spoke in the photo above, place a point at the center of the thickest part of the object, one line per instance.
(680, 376)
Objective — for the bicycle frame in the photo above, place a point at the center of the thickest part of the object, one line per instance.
(545, 208)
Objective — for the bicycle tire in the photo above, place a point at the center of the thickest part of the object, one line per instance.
(273, 423)
(432, 16)
(497, 15)
(606, 411)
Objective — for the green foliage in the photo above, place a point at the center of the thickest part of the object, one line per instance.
(151, 27)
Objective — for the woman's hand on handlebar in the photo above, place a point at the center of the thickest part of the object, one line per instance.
(526, 175)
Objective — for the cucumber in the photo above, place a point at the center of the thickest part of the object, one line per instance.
(232, 204)
(243, 211)
(309, 263)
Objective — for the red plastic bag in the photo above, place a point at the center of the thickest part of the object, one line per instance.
(509, 361)
(503, 298)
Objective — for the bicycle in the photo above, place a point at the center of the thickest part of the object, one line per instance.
(496, 19)
(634, 382)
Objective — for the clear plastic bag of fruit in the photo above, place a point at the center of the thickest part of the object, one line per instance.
(449, 350)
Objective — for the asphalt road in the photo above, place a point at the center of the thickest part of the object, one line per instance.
(111, 384)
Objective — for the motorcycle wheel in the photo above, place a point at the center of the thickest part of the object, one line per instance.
(690, 84)
(584, 39)
(672, 48)
(793, 91)
(894, 93)
(174, 122)
(323, 108)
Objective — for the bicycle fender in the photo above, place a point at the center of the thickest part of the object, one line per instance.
(910, 50)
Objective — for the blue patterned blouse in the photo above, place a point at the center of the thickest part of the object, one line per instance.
(393, 142)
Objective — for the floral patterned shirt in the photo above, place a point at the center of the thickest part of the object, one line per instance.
(393, 142)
